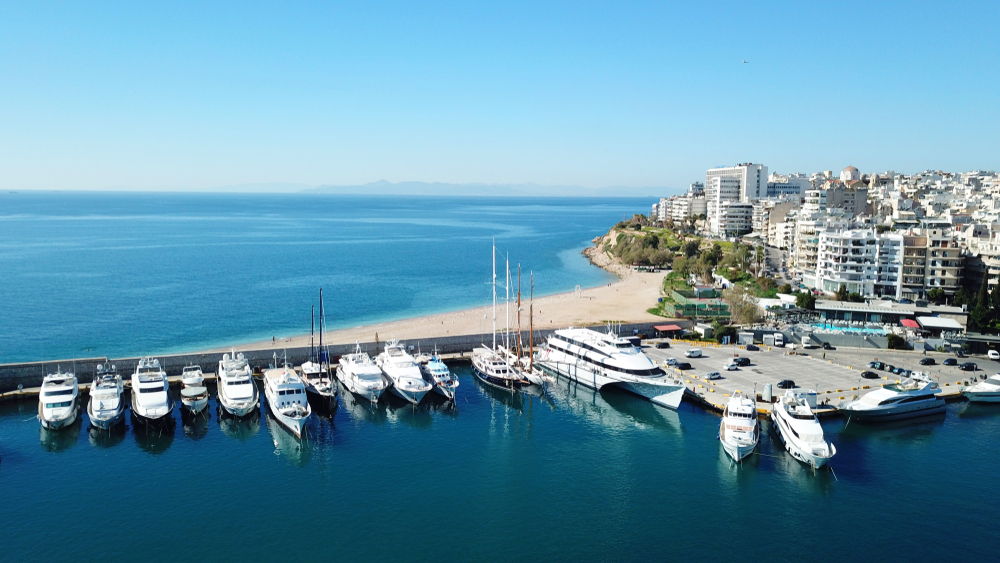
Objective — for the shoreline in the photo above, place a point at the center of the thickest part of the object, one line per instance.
(625, 300)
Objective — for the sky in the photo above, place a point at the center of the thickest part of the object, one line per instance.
(179, 95)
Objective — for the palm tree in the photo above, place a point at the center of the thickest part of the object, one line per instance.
(760, 257)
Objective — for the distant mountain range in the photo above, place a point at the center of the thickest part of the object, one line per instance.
(384, 187)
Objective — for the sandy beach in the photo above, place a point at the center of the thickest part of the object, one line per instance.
(625, 300)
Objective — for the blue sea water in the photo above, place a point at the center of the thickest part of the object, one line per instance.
(127, 274)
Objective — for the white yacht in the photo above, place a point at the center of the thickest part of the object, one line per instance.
(194, 394)
(739, 430)
(987, 391)
(362, 377)
(404, 375)
(151, 400)
(914, 396)
(106, 407)
(437, 374)
(491, 363)
(286, 398)
(237, 393)
(800, 431)
(59, 400)
(598, 360)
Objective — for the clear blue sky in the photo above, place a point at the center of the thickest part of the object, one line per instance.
(196, 95)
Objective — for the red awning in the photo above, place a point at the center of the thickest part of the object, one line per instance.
(909, 323)
(665, 328)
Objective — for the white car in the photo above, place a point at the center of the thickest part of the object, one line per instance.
(731, 366)
(713, 375)
(993, 355)
(670, 361)
(693, 353)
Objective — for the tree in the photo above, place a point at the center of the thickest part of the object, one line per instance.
(743, 308)
(806, 301)
(962, 297)
(855, 297)
(979, 316)
(787, 288)
(995, 302)
(842, 293)
(682, 265)
(651, 241)
(896, 342)
(690, 248)
(936, 295)
(760, 258)
(766, 284)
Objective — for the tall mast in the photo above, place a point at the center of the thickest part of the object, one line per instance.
(519, 350)
(312, 330)
(494, 296)
(531, 324)
(506, 304)
(321, 327)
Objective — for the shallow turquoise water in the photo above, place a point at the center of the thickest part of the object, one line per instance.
(128, 274)
(572, 476)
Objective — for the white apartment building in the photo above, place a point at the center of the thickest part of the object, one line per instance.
(687, 206)
(741, 183)
(847, 258)
(735, 218)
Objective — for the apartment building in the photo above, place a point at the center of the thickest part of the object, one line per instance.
(741, 183)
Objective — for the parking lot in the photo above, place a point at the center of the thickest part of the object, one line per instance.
(835, 377)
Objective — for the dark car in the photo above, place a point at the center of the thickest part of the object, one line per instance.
(683, 365)
(898, 371)
(950, 362)
(752, 348)
(890, 368)
(968, 366)
(742, 362)
(927, 361)
(869, 375)
(826, 346)
(663, 345)
(786, 384)
(872, 365)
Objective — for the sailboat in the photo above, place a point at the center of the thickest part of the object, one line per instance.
(316, 375)
(492, 365)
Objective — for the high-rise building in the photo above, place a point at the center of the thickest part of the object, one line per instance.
(741, 183)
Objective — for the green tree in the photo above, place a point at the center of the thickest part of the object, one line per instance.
(937, 295)
(842, 293)
(690, 248)
(787, 288)
(995, 302)
(760, 258)
(961, 297)
(651, 241)
(743, 308)
(981, 313)
(806, 301)
(855, 298)
(896, 342)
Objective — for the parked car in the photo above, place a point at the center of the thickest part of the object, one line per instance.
(693, 353)
(898, 371)
(742, 362)
(968, 366)
(752, 348)
(872, 365)
(683, 365)
(662, 345)
(926, 361)
(993, 355)
(869, 375)
(670, 361)
(786, 384)
(732, 366)
(712, 375)
(890, 368)
(950, 362)
(826, 346)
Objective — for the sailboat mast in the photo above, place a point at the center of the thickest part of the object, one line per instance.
(531, 323)
(494, 296)
(321, 328)
(506, 304)
(519, 349)
(312, 331)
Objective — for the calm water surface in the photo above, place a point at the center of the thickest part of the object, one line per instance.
(112, 274)
(572, 476)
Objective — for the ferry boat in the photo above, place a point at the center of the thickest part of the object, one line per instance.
(800, 431)
(437, 374)
(404, 375)
(739, 430)
(598, 360)
(987, 391)
(237, 393)
(361, 376)
(286, 398)
(59, 400)
(914, 396)
(194, 395)
(106, 407)
(151, 400)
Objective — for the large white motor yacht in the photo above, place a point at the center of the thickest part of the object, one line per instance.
(194, 394)
(598, 360)
(151, 400)
(987, 391)
(59, 400)
(286, 398)
(739, 430)
(800, 431)
(106, 407)
(237, 393)
(404, 375)
(439, 376)
(360, 374)
(914, 396)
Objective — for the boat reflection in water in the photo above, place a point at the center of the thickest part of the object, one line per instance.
(400, 410)
(154, 438)
(972, 410)
(298, 451)
(510, 398)
(195, 426)
(241, 428)
(109, 438)
(362, 409)
(60, 440)
(612, 408)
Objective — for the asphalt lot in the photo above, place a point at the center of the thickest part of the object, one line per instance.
(834, 377)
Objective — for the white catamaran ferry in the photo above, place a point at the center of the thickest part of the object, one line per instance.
(598, 360)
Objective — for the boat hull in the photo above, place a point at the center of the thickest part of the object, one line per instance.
(983, 396)
(370, 393)
(411, 396)
(445, 391)
(899, 413)
(62, 422)
(105, 421)
(152, 417)
(295, 424)
(657, 391)
(805, 456)
(195, 406)
(498, 382)
(239, 408)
